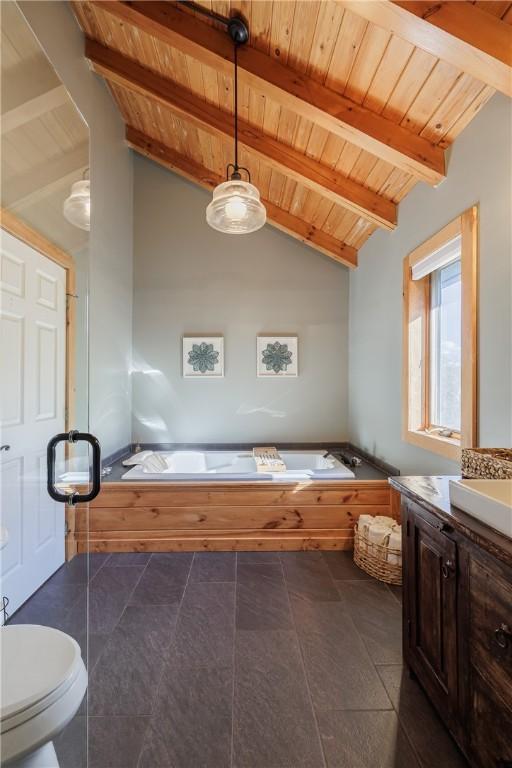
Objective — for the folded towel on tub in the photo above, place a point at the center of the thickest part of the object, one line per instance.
(154, 464)
(137, 458)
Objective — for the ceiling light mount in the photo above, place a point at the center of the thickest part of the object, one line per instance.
(236, 26)
(238, 30)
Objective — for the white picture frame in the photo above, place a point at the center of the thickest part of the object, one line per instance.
(277, 356)
(203, 356)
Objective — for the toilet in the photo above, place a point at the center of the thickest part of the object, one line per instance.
(43, 681)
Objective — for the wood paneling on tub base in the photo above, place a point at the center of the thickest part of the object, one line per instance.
(158, 517)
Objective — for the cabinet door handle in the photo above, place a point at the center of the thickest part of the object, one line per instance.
(502, 635)
(446, 569)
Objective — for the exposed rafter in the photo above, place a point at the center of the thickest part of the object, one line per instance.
(292, 225)
(26, 80)
(34, 108)
(300, 93)
(26, 189)
(325, 181)
(457, 32)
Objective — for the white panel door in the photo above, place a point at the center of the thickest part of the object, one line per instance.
(32, 410)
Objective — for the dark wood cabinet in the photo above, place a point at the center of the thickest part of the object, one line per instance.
(432, 631)
(490, 724)
(458, 623)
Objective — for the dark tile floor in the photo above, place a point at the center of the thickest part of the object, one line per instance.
(255, 660)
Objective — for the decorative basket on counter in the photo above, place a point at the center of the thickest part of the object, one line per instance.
(487, 463)
(378, 560)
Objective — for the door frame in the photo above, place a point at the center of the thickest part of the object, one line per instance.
(17, 228)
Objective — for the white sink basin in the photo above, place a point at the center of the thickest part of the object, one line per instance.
(490, 501)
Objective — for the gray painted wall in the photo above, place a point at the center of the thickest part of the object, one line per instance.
(110, 244)
(478, 172)
(191, 279)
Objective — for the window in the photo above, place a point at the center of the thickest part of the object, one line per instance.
(439, 359)
(445, 350)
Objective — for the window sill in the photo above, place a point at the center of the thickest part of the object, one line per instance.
(449, 447)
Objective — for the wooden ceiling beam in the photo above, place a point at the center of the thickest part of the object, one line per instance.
(327, 182)
(278, 217)
(457, 32)
(293, 90)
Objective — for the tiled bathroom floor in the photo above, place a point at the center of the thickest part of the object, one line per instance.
(250, 660)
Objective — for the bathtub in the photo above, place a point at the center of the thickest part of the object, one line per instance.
(239, 465)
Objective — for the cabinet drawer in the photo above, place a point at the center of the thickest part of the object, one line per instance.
(490, 726)
(491, 628)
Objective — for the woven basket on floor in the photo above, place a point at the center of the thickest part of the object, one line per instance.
(374, 559)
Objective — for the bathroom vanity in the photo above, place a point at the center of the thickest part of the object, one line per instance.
(458, 618)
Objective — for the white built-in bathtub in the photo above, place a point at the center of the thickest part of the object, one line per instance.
(240, 465)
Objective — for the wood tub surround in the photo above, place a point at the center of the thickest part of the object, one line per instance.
(457, 608)
(169, 517)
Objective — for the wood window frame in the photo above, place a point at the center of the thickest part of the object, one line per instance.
(416, 329)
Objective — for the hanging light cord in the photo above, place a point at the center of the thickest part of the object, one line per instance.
(239, 34)
(236, 107)
(236, 168)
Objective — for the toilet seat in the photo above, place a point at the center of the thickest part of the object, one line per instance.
(43, 683)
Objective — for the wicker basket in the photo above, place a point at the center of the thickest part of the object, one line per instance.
(487, 463)
(374, 559)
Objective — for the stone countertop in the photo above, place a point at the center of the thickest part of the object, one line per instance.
(433, 493)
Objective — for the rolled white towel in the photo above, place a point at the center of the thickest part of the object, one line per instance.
(379, 534)
(364, 523)
(154, 464)
(395, 543)
(384, 520)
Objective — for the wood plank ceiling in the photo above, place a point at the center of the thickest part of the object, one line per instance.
(344, 106)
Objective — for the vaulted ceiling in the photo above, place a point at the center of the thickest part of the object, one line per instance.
(343, 106)
(44, 140)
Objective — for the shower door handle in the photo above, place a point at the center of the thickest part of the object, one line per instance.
(74, 497)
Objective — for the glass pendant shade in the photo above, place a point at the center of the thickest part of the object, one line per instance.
(77, 207)
(236, 208)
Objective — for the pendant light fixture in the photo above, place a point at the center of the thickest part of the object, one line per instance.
(236, 208)
(77, 207)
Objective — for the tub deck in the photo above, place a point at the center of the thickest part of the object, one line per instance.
(226, 516)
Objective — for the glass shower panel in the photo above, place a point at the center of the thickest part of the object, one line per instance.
(44, 353)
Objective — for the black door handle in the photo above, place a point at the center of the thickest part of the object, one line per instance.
(74, 437)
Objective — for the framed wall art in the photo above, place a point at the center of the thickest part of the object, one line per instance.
(277, 356)
(203, 357)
